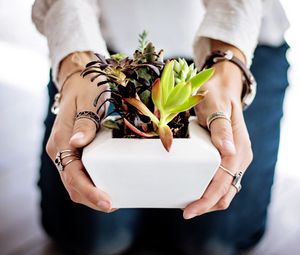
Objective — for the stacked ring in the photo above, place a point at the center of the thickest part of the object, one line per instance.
(237, 178)
(216, 115)
(62, 155)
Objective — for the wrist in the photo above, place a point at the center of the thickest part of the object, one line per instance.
(73, 63)
(229, 74)
(228, 78)
(232, 71)
(216, 45)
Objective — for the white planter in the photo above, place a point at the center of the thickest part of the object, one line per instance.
(140, 173)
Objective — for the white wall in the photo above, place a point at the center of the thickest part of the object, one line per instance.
(21, 43)
(290, 132)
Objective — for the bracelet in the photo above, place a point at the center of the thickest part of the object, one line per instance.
(77, 64)
(249, 83)
(57, 97)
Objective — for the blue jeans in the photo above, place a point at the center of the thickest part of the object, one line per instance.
(84, 231)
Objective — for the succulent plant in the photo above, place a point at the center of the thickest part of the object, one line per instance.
(171, 99)
(183, 71)
(151, 97)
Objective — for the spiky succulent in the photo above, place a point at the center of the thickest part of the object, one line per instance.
(183, 71)
(152, 97)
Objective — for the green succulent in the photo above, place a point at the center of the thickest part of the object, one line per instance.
(183, 71)
(170, 99)
(152, 97)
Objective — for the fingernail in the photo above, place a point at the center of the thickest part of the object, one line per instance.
(228, 146)
(77, 136)
(189, 216)
(104, 205)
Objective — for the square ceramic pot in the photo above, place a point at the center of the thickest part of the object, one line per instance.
(140, 173)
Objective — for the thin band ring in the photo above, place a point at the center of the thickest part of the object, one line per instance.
(61, 155)
(69, 155)
(71, 160)
(90, 116)
(227, 171)
(216, 115)
(66, 150)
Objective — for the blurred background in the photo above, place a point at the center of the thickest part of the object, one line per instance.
(24, 69)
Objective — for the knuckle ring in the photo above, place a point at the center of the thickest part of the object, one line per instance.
(90, 116)
(237, 181)
(62, 155)
(216, 115)
(237, 178)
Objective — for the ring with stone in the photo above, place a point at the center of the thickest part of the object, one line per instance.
(61, 155)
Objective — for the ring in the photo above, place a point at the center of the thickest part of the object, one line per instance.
(89, 115)
(214, 116)
(62, 155)
(227, 171)
(237, 178)
(237, 181)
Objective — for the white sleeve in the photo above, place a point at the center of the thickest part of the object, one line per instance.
(236, 22)
(69, 25)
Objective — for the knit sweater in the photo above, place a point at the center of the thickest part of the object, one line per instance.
(181, 27)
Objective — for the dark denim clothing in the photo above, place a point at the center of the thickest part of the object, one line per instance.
(86, 231)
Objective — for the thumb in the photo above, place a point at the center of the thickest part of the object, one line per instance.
(84, 132)
(222, 138)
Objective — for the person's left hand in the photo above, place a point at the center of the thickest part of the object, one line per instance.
(231, 139)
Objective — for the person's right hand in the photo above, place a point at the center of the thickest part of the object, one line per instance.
(77, 95)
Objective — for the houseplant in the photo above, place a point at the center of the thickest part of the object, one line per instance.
(152, 99)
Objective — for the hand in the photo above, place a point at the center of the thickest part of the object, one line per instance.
(77, 95)
(231, 139)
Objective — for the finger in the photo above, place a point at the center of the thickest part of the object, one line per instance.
(218, 187)
(85, 129)
(83, 133)
(222, 137)
(75, 178)
(242, 139)
(225, 201)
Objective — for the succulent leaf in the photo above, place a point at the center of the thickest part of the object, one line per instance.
(166, 136)
(142, 108)
(118, 56)
(170, 117)
(157, 94)
(110, 124)
(199, 79)
(137, 131)
(167, 80)
(179, 95)
(143, 40)
(191, 102)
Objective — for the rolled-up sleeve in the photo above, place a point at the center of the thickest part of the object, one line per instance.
(236, 22)
(69, 26)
